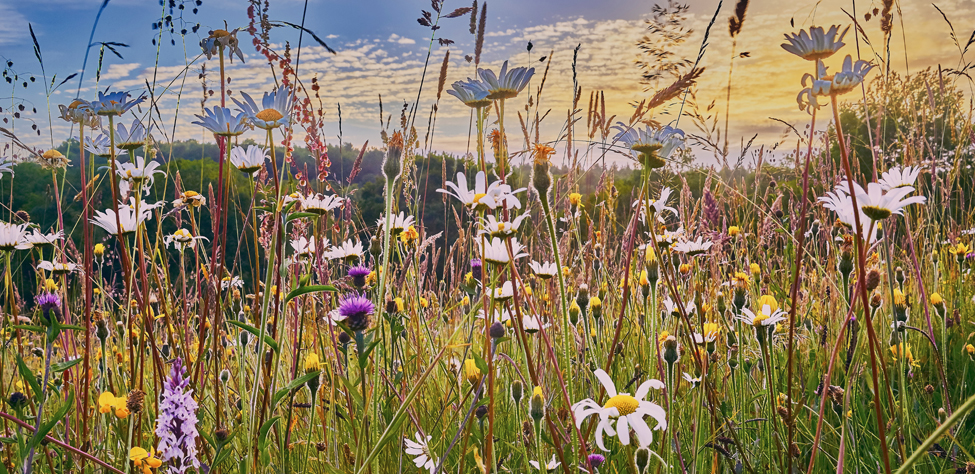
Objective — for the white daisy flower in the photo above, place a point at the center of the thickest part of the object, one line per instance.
(816, 44)
(550, 466)
(250, 160)
(38, 239)
(496, 252)
(879, 204)
(420, 450)
(693, 247)
(303, 247)
(544, 270)
(898, 177)
(12, 237)
(348, 250)
(127, 217)
(508, 83)
(622, 412)
(497, 228)
(502, 293)
(182, 239)
(502, 316)
(398, 223)
(132, 138)
(231, 282)
(58, 268)
(482, 196)
(532, 323)
(139, 172)
(320, 204)
(275, 109)
(694, 381)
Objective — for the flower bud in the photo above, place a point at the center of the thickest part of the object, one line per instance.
(517, 391)
(496, 331)
(642, 460)
(393, 161)
(537, 405)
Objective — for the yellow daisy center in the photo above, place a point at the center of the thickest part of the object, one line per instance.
(478, 196)
(623, 403)
(757, 321)
(269, 115)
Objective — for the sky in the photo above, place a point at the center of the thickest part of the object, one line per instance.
(381, 50)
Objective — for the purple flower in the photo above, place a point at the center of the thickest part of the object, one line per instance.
(476, 269)
(49, 303)
(356, 309)
(358, 274)
(596, 460)
(176, 424)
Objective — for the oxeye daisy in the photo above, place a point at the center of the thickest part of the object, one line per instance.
(483, 196)
(622, 412)
(879, 204)
(656, 207)
(764, 321)
(507, 83)
(114, 103)
(58, 268)
(222, 122)
(221, 39)
(816, 44)
(139, 173)
(898, 177)
(551, 465)
(495, 251)
(398, 223)
(651, 146)
(502, 293)
(472, 93)
(350, 249)
(130, 138)
(182, 239)
(38, 239)
(99, 145)
(303, 247)
(79, 111)
(250, 160)
(12, 237)
(319, 203)
(545, 270)
(420, 450)
(692, 247)
(850, 76)
(497, 228)
(275, 109)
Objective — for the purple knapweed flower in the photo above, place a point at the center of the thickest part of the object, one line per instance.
(356, 309)
(358, 274)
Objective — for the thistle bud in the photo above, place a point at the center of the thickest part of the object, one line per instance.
(481, 412)
(17, 401)
(582, 296)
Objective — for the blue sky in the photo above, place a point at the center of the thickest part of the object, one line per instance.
(381, 50)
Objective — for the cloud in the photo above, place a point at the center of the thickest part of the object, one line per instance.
(395, 38)
(118, 71)
(13, 25)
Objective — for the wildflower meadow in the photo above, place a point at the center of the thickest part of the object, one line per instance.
(581, 291)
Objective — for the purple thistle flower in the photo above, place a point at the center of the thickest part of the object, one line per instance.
(596, 460)
(176, 424)
(358, 273)
(49, 302)
(356, 309)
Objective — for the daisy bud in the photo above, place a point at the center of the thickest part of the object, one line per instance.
(225, 376)
(517, 391)
(537, 405)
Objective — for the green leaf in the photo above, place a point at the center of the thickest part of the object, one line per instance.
(256, 332)
(303, 290)
(296, 383)
(62, 366)
(47, 427)
(26, 374)
(26, 327)
(300, 215)
(265, 429)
